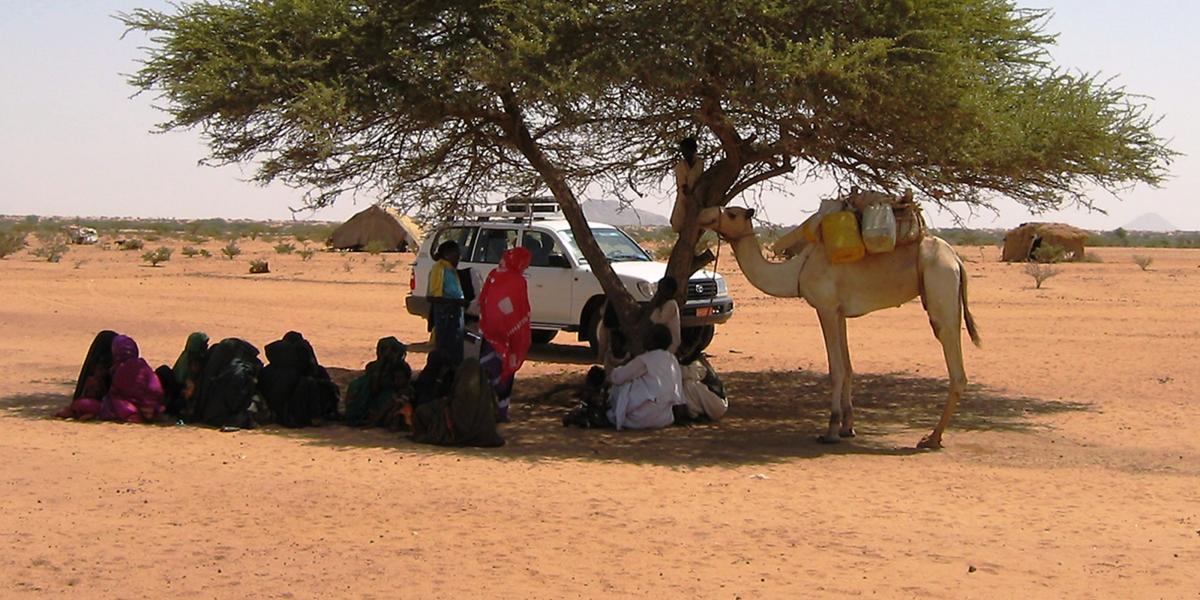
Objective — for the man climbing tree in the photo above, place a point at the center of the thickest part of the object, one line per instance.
(438, 104)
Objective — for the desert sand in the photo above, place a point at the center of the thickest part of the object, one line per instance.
(1071, 471)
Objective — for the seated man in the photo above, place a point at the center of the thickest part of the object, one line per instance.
(646, 390)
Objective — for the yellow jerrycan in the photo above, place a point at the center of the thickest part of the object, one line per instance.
(843, 242)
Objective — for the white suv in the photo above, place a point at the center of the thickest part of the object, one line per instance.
(563, 293)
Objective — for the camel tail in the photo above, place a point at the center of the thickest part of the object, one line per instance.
(972, 329)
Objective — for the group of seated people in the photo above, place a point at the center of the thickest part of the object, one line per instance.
(656, 388)
(452, 401)
(225, 385)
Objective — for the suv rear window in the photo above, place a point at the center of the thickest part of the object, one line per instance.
(463, 236)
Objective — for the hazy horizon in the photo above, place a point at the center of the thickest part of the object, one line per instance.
(77, 144)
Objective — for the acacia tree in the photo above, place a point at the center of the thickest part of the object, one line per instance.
(435, 104)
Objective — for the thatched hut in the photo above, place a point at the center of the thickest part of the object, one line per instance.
(377, 224)
(1022, 244)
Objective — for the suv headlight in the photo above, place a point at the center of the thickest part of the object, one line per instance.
(647, 288)
(721, 288)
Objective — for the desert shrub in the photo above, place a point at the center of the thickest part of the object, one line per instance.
(189, 251)
(285, 248)
(1092, 257)
(52, 249)
(195, 239)
(259, 266)
(205, 253)
(306, 254)
(132, 244)
(161, 255)
(375, 248)
(348, 266)
(11, 242)
(153, 237)
(1040, 273)
(79, 264)
(231, 250)
(1143, 261)
(1050, 253)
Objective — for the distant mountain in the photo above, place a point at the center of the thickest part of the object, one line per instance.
(615, 213)
(1150, 222)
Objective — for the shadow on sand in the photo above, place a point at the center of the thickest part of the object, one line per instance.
(774, 416)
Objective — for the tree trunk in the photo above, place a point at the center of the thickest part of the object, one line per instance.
(710, 191)
(626, 307)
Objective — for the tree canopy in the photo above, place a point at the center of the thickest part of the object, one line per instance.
(438, 103)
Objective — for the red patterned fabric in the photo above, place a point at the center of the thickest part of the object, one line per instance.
(504, 310)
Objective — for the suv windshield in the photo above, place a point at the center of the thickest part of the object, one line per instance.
(617, 246)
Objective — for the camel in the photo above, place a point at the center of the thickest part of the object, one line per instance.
(929, 268)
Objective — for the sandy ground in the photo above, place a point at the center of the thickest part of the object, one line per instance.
(1070, 472)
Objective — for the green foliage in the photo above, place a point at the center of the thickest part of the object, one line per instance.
(231, 250)
(306, 254)
(189, 251)
(155, 257)
(259, 266)
(52, 248)
(1050, 253)
(853, 88)
(375, 248)
(1040, 273)
(1142, 261)
(285, 248)
(11, 242)
(132, 244)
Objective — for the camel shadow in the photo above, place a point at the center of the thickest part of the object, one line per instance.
(774, 416)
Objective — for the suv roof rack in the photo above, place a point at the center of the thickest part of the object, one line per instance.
(521, 208)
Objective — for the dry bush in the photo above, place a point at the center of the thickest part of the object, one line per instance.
(231, 250)
(306, 254)
(52, 249)
(11, 242)
(134, 244)
(1143, 261)
(375, 248)
(259, 266)
(1040, 273)
(285, 248)
(388, 267)
(190, 251)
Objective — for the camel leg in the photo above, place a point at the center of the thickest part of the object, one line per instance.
(847, 430)
(834, 350)
(945, 317)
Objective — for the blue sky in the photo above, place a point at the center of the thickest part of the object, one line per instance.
(73, 141)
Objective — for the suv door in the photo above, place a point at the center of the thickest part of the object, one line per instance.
(551, 279)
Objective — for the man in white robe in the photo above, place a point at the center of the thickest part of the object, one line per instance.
(647, 388)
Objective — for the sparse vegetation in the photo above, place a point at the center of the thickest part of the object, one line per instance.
(285, 248)
(11, 242)
(1143, 261)
(306, 254)
(156, 257)
(375, 248)
(1040, 273)
(231, 250)
(205, 254)
(1092, 257)
(259, 266)
(79, 263)
(348, 266)
(53, 248)
(189, 251)
(132, 244)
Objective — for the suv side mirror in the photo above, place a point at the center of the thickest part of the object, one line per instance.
(558, 261)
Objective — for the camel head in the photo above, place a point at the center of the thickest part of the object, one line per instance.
(731, 223)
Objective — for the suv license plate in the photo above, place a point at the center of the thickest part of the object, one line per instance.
(704, 312)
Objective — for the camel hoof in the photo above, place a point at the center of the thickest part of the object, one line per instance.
(849, 433)
(828, 439)
(929, 443)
